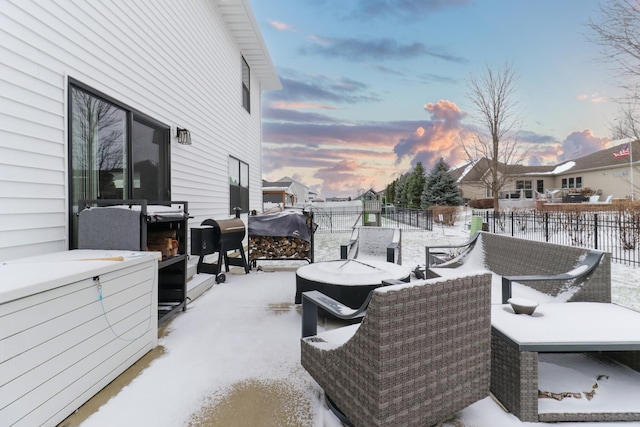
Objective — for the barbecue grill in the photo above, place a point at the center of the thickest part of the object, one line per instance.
(219, 236)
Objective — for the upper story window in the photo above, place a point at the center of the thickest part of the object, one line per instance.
(246, 86)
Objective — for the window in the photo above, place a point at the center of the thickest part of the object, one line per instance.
(579, 182)
(114, 152)
(527, 186)
(571, 183)
(564, 182)
(246, 86)
(540, 186)
(238, 185)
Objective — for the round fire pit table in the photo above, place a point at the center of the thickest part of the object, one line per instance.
(347, 281)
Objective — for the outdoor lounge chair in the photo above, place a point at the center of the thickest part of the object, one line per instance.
(381, 243)
(420, 354)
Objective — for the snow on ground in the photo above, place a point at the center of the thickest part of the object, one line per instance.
(247, 329)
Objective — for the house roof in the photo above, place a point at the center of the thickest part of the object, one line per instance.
(473, 171)
(239, 17)
(605, 158)
(277, 185)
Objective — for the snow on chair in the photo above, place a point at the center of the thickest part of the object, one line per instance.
(381, 243)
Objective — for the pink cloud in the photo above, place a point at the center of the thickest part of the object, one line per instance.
(445, 111)
(594, 98)
(581, 143)
(437, 138)
(281, 26)
(320, 40)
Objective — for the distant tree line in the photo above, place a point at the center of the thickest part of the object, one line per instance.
(415, 189)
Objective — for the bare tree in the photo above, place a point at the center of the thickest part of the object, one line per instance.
(618, 34)
(495, 110)
(626, 125)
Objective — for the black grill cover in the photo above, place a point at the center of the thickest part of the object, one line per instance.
(287, 223)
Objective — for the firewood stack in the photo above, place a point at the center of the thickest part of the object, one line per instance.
(163, 241)
(278, 247)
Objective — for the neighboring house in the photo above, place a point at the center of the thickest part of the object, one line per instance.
(471, 178)
(300, 191)
(286, 191)
(606, 172)
(278, 192)
(93, 95)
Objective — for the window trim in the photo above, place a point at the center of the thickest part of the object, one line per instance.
(246, 88)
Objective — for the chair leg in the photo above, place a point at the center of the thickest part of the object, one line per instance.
(342, 417)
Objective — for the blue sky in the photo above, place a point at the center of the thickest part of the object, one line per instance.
(370, 87)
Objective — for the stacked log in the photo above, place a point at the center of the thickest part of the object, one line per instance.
(278, 247)
(163, 241)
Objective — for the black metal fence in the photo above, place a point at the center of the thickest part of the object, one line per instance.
(333, 221)
(614, 232)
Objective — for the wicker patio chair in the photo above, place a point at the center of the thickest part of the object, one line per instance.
(420, 355)
(368, 242)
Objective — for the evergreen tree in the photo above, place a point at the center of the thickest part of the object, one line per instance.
(440, 187)
(400, 196)
(415, 186)
(391, 191)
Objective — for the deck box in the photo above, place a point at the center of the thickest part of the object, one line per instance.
(70, 323)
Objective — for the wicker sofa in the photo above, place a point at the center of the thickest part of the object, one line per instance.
(420, 354)
(547, 268)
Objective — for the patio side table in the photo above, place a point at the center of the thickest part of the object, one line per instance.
(576, 327)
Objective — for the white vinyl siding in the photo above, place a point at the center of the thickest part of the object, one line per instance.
(175, 62)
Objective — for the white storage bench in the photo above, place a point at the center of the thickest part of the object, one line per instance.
(70, 323)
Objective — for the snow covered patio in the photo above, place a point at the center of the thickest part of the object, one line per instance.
(233, 359)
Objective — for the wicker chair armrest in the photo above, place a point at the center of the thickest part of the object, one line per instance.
(429, 250)
(312, 300)
(394, 248)
(590, 263)
(344, 249)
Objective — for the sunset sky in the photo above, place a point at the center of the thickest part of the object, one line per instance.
(370, 87)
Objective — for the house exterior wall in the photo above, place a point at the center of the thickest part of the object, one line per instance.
(607, 181)
(176, 62)
(473, 190)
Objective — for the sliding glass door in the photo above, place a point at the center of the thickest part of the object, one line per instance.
(114, 153)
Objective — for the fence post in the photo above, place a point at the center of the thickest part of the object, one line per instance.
(513, 224)
(595, 230)
(546, 226)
